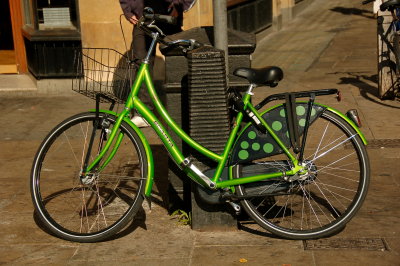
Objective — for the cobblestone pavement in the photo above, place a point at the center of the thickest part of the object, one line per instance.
(332, 44)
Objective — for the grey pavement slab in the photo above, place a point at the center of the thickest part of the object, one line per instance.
(19, 83)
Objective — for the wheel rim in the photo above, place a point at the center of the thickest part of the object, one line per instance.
(78, 209)
(327, 196)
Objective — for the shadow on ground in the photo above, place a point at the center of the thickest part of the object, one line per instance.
(367, 84)
(353, 11)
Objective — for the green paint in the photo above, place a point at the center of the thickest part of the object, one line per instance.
(348, 120)
(256, 146)
(229, 144)
(364, 140)
(243, 155)
(244, 144)
(302, 122)
(172, 124)
(313, 112)
(277, 125)
(268, 147)
(113, 152)
(249, 179)
(133, 102)
(300, 110)
(252, 135)
(149, 155)
(109, 142)
(273, 135)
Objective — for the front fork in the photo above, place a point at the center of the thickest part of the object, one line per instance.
(102, 124)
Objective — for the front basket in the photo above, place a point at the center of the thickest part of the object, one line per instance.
(105, 71)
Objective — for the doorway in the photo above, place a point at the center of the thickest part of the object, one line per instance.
(8, 64)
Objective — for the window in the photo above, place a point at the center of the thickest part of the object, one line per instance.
(51, 14)
(249, 15)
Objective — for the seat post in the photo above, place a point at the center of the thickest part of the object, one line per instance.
(252, 86)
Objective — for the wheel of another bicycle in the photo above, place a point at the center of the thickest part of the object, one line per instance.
(320, 202)
(105, 202)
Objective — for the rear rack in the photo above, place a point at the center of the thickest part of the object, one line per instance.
(300, 94)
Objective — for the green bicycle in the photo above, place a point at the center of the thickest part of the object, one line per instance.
(299, 169)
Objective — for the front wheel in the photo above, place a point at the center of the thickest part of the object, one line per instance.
(320, 202)
(96, 207)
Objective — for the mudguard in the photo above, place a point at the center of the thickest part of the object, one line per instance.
(149, 154)
(253, 144)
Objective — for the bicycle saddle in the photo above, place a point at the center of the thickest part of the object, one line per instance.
(390, 5)
(269, 76)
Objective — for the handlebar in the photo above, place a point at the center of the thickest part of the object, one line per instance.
(189, 44)
(148, 14)
(367, 2)
(147, 24)
(161, 18)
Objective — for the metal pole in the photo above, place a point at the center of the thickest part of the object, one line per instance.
(221, 28)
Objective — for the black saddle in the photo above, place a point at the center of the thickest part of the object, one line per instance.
(269, 76)
(391, 4)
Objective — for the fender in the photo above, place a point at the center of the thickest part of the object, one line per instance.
(149, 154)
(251, 144)
(348, 120)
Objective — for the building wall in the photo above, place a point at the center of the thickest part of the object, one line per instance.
(102, 29)
(100, 20)
(201, 14)
(100, 25)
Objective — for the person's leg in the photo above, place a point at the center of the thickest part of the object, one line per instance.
(139, 49)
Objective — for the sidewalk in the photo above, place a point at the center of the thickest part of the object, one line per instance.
(330, 45)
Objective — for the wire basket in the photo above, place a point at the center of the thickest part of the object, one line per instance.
(105, 71)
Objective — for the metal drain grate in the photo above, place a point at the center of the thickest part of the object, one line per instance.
(377, 244)
(378, 144)
(383, 143)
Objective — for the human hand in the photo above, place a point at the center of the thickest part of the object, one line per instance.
(133, 20)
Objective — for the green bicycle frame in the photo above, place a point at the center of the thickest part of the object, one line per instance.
(133, 102)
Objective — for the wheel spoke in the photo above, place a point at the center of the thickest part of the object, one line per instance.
(326, 193)
(104, 200)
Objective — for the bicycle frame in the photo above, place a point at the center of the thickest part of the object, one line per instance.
(133, 102)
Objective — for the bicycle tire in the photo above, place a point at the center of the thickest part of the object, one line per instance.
(108, 201)
(321, 202)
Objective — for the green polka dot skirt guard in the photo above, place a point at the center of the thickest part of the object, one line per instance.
(253, 145)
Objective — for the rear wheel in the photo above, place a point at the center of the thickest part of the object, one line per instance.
(321, 201)
(102, 203)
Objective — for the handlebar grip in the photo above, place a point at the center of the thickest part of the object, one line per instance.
(166, 19)
(367, 1)
(196, 44)
(161, 18)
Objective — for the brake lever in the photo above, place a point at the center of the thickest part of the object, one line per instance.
(193, 44)
(154, 26)
(147, 27)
